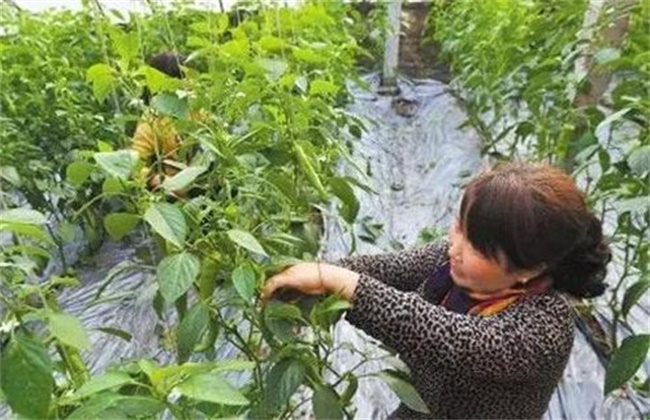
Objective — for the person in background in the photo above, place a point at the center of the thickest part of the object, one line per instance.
(156, 139)
(482, 320)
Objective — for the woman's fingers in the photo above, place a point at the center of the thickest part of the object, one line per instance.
(304, 277)
(280, 280)
(270, 287)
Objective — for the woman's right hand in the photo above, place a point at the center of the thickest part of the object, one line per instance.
(314, 279)
(304, 277)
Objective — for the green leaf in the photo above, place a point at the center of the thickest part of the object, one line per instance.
(283, 380)
(243, 278)
(625, 361)
(26, 379)
(167, 377)
(309, 56)
(639, 160)
(246, 240)
(286, 240)
(10, 174)
(235, 49)
(212, 28)
(198, 42)
(102, 78)
(23, 216)
(104, 146)
(326, 403)
(118, 225)
(139, 406)
(32, 231)
(169, 104)
(109, 405)
(326, 312)
(284, 184)
(202, 27)
(322, 87)
(112, 186)
(279, 310)
(342, 189)
(103, 382)
(28, 250)
(212, 388)
(68, 330)
(272, 44)
(195, 323)
(119, 164)
(338, 305)
(168, 221)
(176, 273)
(78, 172)
(102, 406)
(223, 22)
(404, 390)
(64, 281)
(280, 319)
(182, 179)
(158, 81)
(127, 45)
(633, 294)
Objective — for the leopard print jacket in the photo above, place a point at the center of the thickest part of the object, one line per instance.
(463, 366)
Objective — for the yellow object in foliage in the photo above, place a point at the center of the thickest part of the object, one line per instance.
(155, 137)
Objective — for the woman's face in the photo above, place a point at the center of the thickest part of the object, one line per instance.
(473, 271)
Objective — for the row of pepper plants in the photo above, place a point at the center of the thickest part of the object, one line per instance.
(519, 68)
(261, 125)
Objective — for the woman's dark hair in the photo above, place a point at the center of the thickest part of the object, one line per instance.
(168, 63)
(537, 217)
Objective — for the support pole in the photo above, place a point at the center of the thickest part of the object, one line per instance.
(391, 52)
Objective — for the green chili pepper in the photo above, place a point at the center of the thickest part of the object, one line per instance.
(306, 166)
(207, 278)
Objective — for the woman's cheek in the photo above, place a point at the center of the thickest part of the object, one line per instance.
(457, 274)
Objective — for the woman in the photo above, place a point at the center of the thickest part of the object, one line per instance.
(156, 139)
(481, 321)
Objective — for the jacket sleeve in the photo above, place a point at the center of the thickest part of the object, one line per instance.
(404, 270)
(510, 346)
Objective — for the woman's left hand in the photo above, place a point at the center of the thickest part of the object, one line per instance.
(314, 279)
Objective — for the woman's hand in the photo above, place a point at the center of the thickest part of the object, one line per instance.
(314, 279)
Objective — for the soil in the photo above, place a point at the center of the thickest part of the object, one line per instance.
(418, 53)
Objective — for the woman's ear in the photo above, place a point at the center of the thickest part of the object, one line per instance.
(527, 275)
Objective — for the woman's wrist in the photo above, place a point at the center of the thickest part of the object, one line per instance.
(339, 280)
